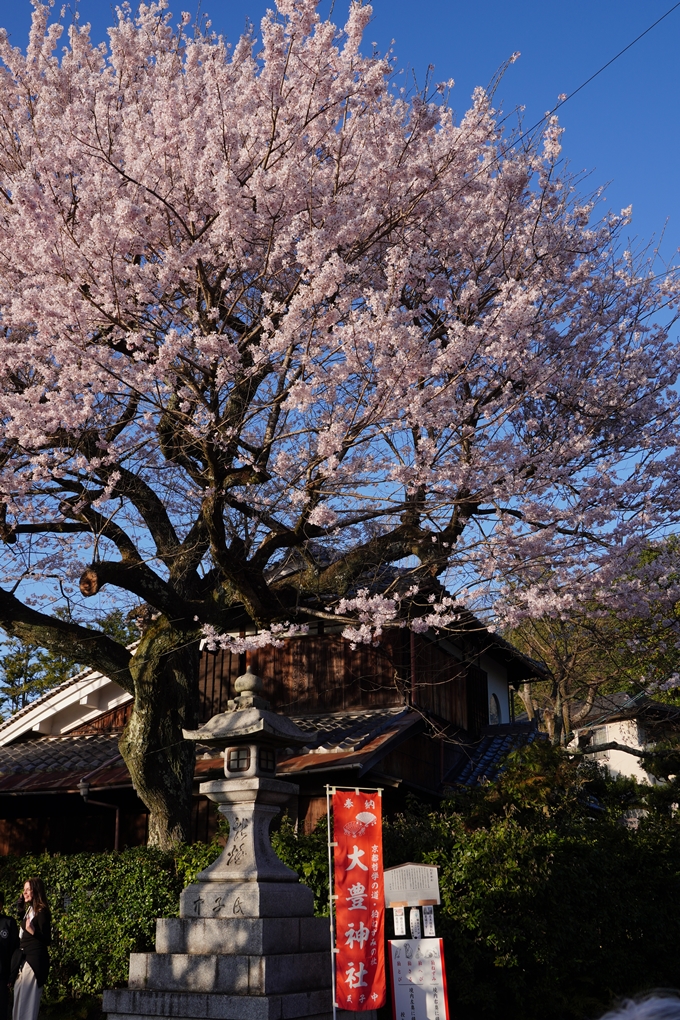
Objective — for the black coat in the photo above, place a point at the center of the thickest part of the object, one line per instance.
(33, 948)
(9, 942)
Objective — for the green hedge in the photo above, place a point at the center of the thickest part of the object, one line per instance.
(104, 907)
(552, 922)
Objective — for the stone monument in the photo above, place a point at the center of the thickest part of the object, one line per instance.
(246, 945)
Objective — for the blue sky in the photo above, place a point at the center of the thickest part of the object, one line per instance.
(622, 129)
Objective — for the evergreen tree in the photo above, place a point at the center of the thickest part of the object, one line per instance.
(27, 671)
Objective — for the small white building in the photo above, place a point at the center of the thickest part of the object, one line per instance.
(635, 724)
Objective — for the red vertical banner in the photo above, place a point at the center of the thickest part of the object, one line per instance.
(360, 900)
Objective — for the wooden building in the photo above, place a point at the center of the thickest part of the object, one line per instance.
(409, 715)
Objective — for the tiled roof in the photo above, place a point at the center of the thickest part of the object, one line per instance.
(59, 763)
(482, 761)
(345, 731)
(58, 754)
(372, 735)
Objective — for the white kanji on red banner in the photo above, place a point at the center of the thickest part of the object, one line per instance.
(360, 903)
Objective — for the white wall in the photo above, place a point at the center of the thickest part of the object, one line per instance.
(619, 763)
(497, 684)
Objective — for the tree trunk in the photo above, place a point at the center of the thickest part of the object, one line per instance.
(566, 714)
(558, 720)
(165, 673)
(525, 694)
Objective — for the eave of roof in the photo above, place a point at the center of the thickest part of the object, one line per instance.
(620, 706)
(59, 699)
(63, 782)
(85, 674)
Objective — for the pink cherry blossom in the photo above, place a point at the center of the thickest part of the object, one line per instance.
(275, 293)
(257, 304)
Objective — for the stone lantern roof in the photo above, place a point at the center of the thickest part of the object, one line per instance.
(249, 719)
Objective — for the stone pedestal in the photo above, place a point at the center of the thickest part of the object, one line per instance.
(246, 945)
(249, 805)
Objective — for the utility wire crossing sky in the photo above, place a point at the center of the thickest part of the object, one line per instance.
(622, 129)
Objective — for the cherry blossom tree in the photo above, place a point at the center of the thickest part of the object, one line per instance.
(601, 647)
(270, 323)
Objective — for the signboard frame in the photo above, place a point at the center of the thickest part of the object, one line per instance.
(403, 870)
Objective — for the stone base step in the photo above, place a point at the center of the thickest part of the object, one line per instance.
(341, 1015)
(242, 935)
(246, 899)
(145, 1016)
(231, 975)
(142, 1004)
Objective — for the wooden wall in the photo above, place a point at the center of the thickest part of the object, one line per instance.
(420, 761)
(63, 823)
(440, 682)
(322, 673)
(312, 674)
(477, 694)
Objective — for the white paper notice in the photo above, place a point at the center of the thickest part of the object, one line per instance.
(399, 921)
(414, 922)
(418, 979)
(411, 885)
(428, 922)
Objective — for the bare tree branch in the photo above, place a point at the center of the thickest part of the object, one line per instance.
(64, 638)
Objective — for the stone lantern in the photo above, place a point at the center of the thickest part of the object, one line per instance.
(250, 795)
(246, 945)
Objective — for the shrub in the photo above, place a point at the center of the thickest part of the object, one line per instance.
(554, 921)
(308, 855)
(104, 907)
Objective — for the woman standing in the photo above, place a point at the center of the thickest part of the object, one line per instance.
(34, 939)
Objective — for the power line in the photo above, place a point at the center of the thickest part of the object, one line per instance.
(604, 67)
(561, 102)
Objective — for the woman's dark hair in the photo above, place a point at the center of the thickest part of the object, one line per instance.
(38, 894)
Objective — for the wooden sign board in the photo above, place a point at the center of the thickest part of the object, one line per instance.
(411, 885)
(418, 979)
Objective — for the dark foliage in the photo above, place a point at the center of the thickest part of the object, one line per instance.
(553, 902)
(104, 907)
